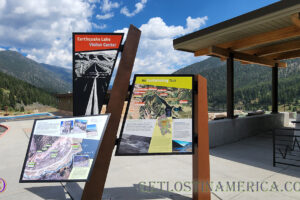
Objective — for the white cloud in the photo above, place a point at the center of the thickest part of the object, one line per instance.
(193, 24)
(2, 49)
(13, 49)
(96, 26)
(2, 4)
(108, 5)
(94, 1)
(43, 30)
(156, 53)
(138, 8)
(105, 16)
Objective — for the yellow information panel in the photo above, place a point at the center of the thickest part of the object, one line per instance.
(159, 116)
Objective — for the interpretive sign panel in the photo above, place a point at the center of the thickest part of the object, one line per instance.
(159, 116)
(94, 57)
(63, 149)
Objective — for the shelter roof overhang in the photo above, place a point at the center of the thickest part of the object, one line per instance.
(265, 36)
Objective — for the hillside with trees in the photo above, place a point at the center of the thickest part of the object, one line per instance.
(252, 85)
(50, 78)
(16, 94)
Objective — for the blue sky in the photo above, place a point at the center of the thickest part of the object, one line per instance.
(175, 12)
(42, 29)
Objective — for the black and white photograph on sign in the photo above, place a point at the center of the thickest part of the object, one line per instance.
(91, 78)
(94, 64)
(63, 149)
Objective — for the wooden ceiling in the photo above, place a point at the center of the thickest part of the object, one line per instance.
(269, 38)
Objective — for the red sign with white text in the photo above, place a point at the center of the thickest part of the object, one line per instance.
(92, 42)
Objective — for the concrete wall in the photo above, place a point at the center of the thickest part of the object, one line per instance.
(231, 130)
(65, 102)
(297, 125)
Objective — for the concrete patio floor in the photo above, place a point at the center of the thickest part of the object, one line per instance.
(248, 161)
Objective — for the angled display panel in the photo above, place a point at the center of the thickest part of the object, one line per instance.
(159, 116)
(94, 57)
(63, 149)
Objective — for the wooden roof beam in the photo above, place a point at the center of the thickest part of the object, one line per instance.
(224, 53)
(262, 38)
(286, 55)
(202, 52)
(296, 19)
(275, 49)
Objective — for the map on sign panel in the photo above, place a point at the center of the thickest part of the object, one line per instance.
(63, 149)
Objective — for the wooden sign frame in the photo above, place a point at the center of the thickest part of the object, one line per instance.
(95, 186)
(201, 170)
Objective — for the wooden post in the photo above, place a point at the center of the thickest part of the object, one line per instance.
(275, 89)
(6, 110)
(95, 186)
(230, 87)
(201, 170)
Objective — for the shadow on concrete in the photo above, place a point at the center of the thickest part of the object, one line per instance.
(62, 113)
(49, 192)
(140, 192)
(256, 151)
(137, 192)
(74, 190)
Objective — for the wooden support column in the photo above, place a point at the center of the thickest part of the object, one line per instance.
(230, 87)
(201, 170)
(275, 89)
(93, 189)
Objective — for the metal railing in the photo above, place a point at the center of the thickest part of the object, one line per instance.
(286, 147)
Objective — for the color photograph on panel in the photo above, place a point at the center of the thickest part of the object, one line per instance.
(159, 116)
(63, 149)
